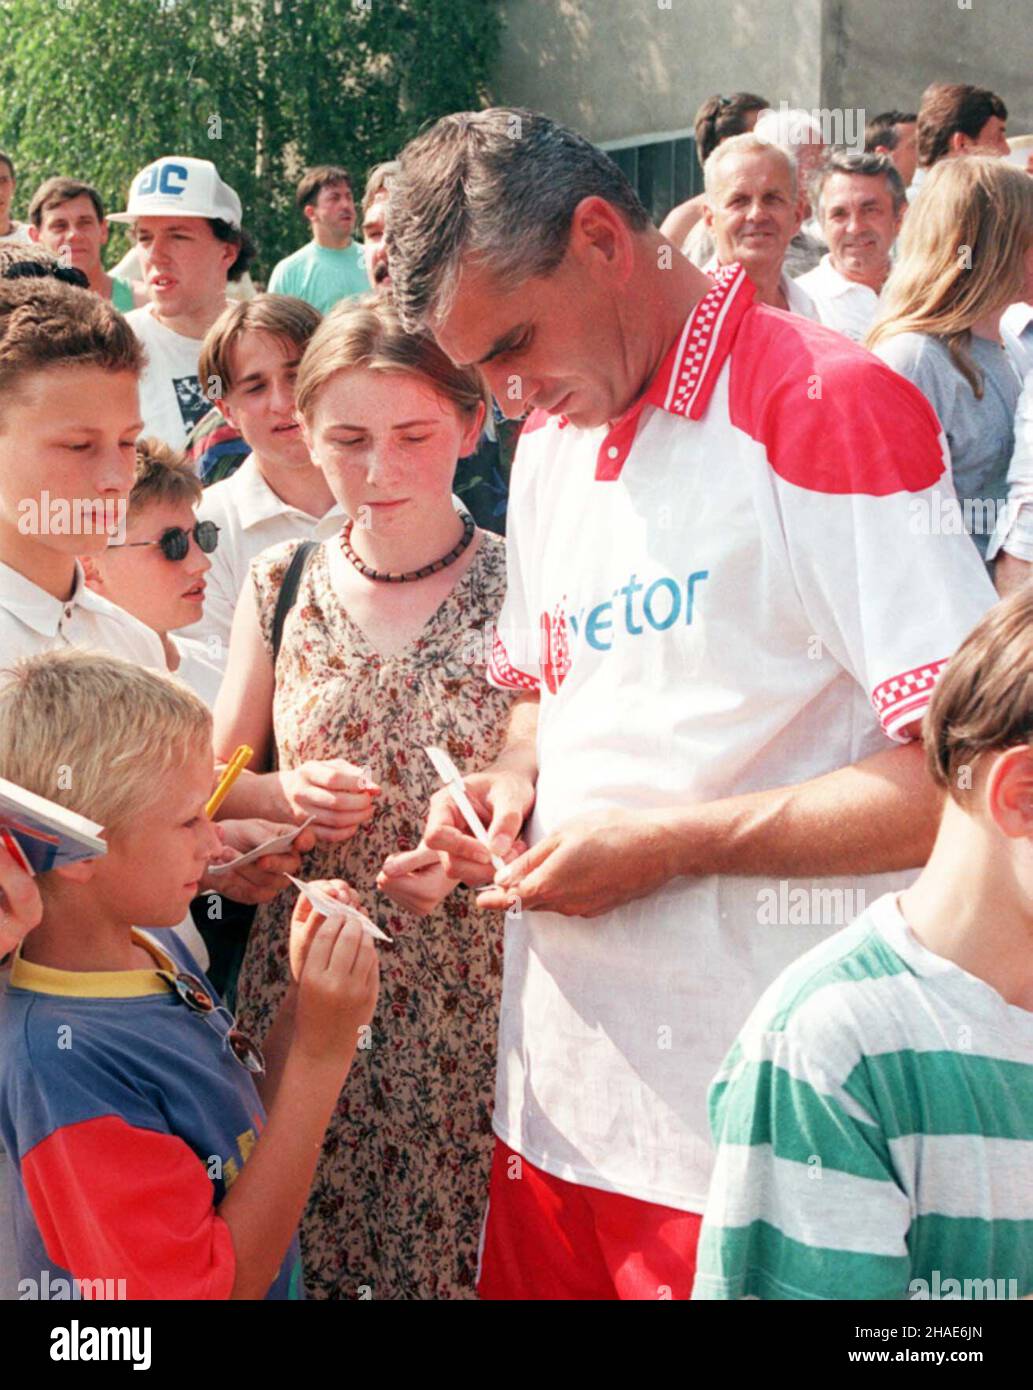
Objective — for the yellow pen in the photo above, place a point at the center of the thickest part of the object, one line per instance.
(232, 771)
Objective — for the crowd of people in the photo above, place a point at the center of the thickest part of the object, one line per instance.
(756, 634)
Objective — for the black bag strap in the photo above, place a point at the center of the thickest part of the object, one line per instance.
(289, 591)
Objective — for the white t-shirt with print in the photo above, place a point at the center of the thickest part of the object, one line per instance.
(727, 592)
(171, 396)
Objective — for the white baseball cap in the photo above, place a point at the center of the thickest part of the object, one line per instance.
(178, 186)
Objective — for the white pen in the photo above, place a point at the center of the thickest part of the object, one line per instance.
(449, 774)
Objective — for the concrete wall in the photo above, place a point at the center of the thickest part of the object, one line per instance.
(620, 68)
(616, 69)
(884, 53)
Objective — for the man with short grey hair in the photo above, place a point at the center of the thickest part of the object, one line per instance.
(753, 211)
(860, 201)
(708, 541)
(800, 135)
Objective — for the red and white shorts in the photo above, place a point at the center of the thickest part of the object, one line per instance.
(545, 1238)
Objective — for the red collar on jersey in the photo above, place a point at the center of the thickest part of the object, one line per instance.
(685, 380)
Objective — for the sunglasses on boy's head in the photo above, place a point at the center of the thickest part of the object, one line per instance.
(175, 542)
(197, 999)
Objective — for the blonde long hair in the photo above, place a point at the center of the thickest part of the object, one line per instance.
(962, 255)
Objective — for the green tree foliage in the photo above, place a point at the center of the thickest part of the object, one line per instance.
(95, 89)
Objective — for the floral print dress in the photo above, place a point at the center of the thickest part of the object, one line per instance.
(400, 1189)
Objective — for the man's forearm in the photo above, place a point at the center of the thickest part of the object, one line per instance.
(874, 816)
(519, 753)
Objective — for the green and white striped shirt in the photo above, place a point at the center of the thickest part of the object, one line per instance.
(874, 1131)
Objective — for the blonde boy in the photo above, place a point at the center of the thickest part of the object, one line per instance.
(144, 1153)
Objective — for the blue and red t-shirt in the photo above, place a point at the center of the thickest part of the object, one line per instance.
(126, 1118)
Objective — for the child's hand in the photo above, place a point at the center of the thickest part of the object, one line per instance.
(336, 792)
(305, 920)
(262, 879)
(416, 880)
(337, 993)
(21, 907)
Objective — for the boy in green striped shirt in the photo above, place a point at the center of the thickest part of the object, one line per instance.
(874, 1119)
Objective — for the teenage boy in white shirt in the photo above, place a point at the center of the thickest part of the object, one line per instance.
(860, 201)
(187, 227)
(725, 627)
(277, 494)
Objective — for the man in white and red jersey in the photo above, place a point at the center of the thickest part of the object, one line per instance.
(729, 599)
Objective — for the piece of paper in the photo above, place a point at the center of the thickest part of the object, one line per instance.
(449, 774)
(333, 907)
(277, 845)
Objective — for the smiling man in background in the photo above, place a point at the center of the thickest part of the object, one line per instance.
(754, 209)
(860, 201)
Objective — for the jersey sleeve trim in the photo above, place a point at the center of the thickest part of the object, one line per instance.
(902, 699)
(503, 674)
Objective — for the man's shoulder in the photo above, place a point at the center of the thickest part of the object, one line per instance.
(130, 637)
(830, 415)
(296, 261)
(140, 320)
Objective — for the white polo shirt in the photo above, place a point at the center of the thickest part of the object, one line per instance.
(798, 299)
(32, 621)
(250, 518)
(842, 304)
(726, 592)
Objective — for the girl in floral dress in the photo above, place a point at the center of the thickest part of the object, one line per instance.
(383, 653)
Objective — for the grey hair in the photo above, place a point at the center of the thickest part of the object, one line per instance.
(500, 184)
(788, 128)
(750, 143)
(869, 164)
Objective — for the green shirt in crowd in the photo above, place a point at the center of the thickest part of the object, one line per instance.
(874, 1131)
(322, 276)
(121, 295)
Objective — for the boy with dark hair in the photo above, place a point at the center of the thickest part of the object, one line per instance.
(69, 366)
(873, 1118)
(159, 1154)
(250, 358)
(331, 267)
(67, 217)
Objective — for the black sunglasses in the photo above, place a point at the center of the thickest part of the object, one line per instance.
(199, 1001)
(37, 270)
(175, 542)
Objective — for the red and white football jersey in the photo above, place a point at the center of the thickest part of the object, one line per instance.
(745, 582)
